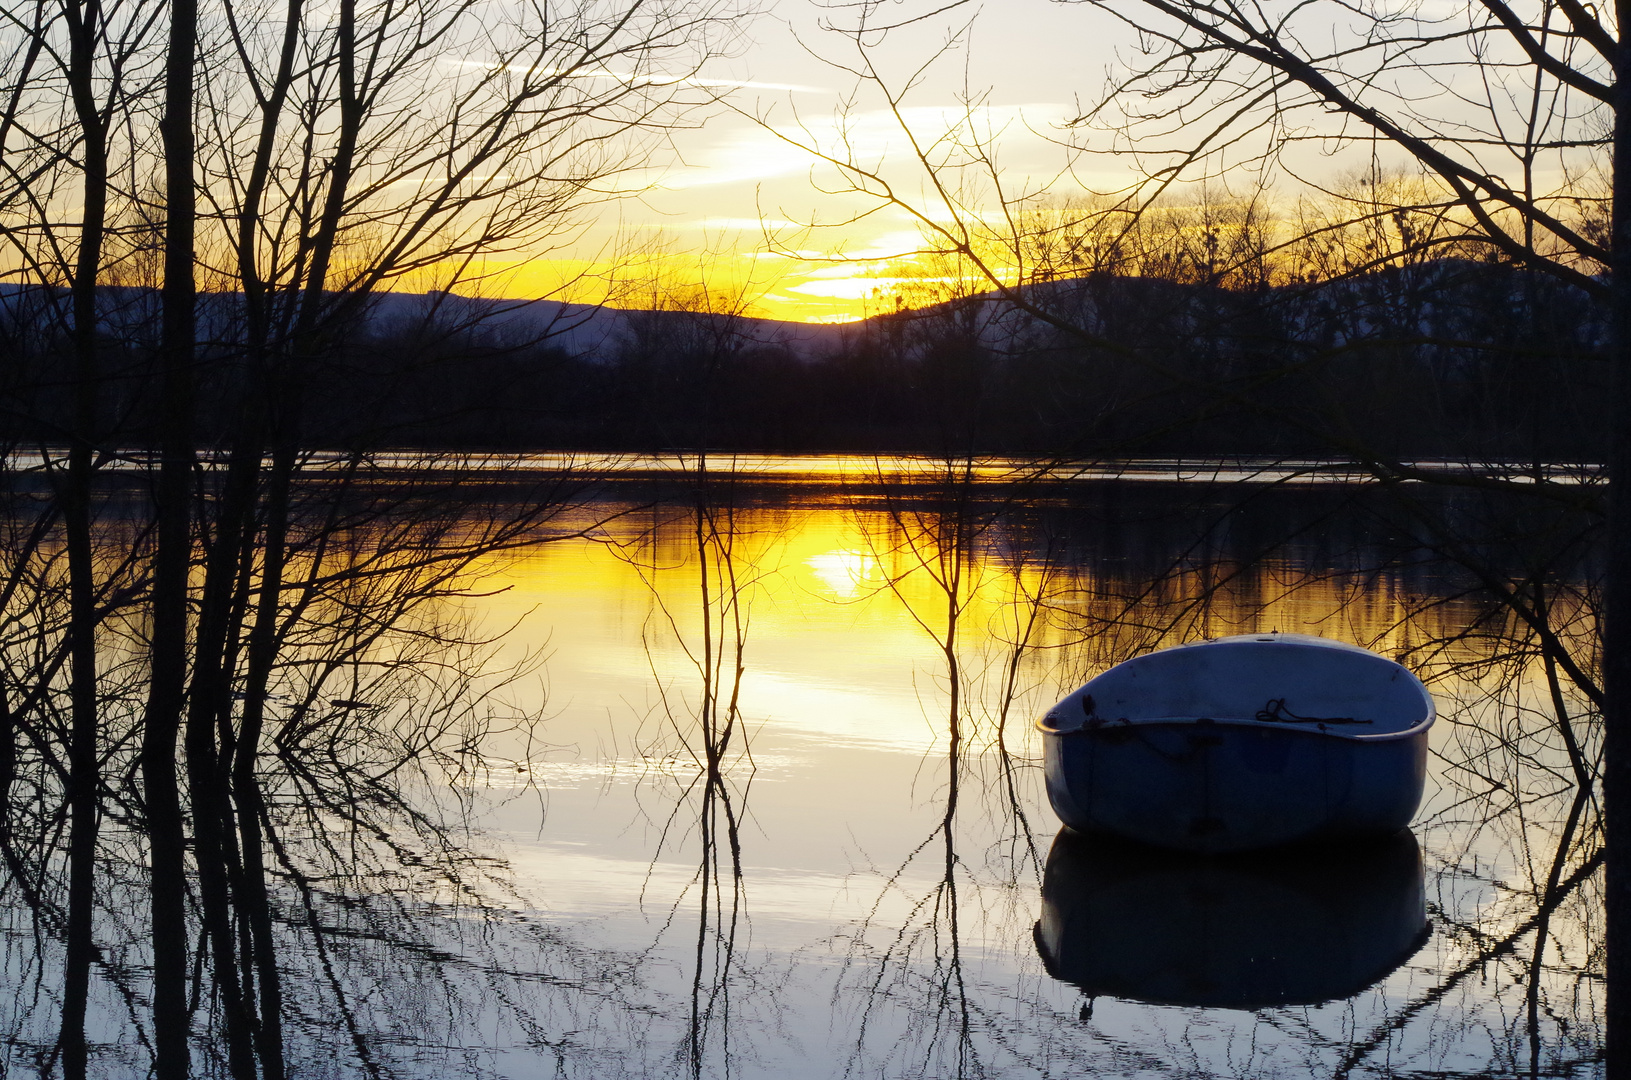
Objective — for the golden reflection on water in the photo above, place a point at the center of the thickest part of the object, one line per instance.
(874, 625)
(875, 825)
(848, 608)
(887, 825)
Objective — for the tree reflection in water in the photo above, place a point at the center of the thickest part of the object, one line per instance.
(400, 945)
(701, 721)
(340, 791)
(1515, 844)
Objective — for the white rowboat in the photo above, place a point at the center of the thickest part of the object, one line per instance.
(1240, 743)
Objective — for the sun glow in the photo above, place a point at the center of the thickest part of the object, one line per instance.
(845, 571)
(804, 287)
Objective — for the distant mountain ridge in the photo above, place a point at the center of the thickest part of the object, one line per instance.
(573, 327)
(1443, 359)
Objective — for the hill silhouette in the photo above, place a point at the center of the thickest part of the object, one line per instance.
(1445, 358)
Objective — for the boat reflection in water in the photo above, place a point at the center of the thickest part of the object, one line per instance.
(1294, 926)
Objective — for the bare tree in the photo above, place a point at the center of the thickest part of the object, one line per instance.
(1491, 129)
(309, 160)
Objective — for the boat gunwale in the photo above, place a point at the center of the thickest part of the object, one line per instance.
(1275, 640)
(1089, 727)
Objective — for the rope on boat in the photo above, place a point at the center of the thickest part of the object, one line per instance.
(1276, 712)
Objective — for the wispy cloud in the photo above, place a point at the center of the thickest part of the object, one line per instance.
(870, 139)
(643, 78)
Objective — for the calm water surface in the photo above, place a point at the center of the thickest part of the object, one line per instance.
(760, 796)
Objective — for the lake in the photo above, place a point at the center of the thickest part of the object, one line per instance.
(724, 771)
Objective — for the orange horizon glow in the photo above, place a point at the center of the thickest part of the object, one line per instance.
(804, 288)
(772, 269)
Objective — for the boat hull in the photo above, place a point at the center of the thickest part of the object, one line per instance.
(1204, 786)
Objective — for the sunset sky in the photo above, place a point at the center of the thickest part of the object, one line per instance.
(733, 180)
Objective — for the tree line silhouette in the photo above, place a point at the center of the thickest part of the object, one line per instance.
(1447, 358)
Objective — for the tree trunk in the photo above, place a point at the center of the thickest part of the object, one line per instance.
(172, 561)
(83, 782)
(1617, 607)
(262, 651)
(214, 845)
